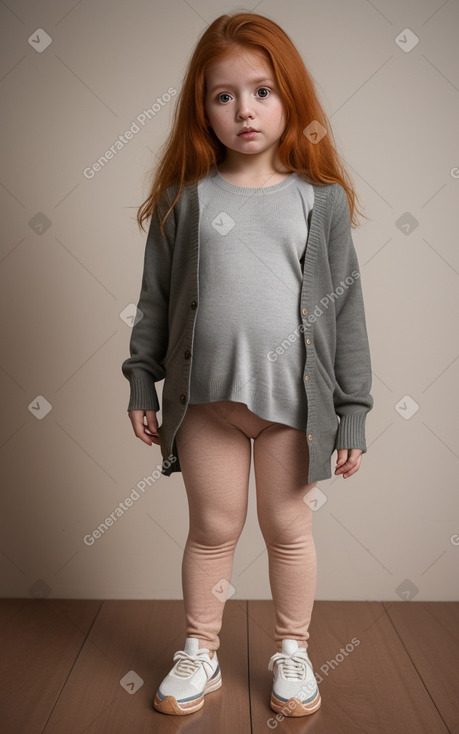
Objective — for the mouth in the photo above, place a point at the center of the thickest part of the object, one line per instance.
(248, 133)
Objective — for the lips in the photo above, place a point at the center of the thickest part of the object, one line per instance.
(248, 130)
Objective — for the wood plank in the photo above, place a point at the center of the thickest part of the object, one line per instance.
(142, 636)
(430, 634)
(60, 674)
(374, 688)
(10, 607)
(39, 642)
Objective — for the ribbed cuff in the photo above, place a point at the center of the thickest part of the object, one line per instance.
(143, 394)
(351, 432)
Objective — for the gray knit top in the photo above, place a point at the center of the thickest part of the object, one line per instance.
(253, 242)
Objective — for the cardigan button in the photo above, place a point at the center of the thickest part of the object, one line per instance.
(308, 341)
(187, 354)
(307, 377)
(304, 311)
(310, 436)
(194, 304)
(183, 398)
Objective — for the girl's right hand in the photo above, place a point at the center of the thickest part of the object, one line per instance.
(140, 429)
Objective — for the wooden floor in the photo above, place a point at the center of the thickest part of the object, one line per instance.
(94, 666)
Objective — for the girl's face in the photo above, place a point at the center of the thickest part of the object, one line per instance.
(241, 92)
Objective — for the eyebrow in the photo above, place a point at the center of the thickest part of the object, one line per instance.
(228, 86)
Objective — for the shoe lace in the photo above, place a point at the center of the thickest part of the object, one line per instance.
(188, 664)
(292, 667)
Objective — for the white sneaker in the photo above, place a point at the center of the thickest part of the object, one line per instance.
(295, 691)
(194, 674)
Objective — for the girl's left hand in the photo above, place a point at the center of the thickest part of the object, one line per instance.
(348, 462)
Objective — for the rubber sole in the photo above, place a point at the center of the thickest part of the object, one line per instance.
(294, 707)
(170, 705)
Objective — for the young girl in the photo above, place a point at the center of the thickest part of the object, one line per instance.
(251, 309)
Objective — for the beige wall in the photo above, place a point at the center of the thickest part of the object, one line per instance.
(390, 531)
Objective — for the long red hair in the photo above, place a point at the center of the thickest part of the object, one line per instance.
(192, 147)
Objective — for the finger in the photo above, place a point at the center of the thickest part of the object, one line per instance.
(342, 457)
(345, 468)
(138, 426)
(350, 472)
(151, 431)
(136, 418)
(342, 461)
(350, 463)
(152, 422)
(353, 468)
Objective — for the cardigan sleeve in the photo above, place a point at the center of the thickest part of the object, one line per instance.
(353, 376)
(150, 333)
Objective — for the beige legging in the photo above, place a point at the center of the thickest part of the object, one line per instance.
(214, 447)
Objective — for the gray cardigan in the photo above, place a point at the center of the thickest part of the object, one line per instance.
(337, 372)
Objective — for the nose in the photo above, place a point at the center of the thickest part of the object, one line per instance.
(244, 108)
